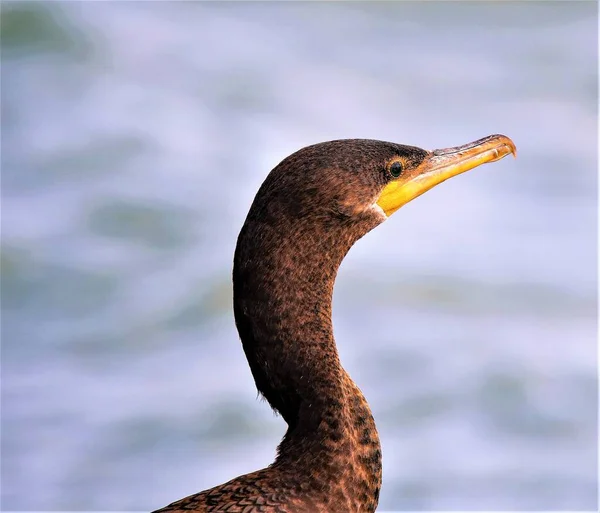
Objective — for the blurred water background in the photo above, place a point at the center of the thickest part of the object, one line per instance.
(134, 137)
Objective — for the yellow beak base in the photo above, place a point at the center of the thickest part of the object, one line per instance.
(440, 165)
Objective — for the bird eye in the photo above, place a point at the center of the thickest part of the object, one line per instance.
(395, 169)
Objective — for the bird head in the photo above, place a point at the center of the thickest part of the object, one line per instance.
(354, 180)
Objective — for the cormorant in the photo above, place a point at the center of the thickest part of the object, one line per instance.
(305, 217)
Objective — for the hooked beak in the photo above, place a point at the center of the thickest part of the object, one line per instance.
(439, 165)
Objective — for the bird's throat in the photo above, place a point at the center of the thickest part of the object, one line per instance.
(282, 306)
(282, 303)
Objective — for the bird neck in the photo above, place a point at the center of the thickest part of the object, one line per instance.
(282, 303)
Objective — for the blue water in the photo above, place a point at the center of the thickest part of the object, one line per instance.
(134, 137)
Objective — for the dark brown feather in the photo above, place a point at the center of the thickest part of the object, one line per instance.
(307, 214)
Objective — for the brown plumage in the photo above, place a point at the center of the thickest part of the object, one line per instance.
(307, 214)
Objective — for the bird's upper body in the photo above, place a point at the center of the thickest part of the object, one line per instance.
(305, 217)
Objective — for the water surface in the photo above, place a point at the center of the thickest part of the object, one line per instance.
(134, 138)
